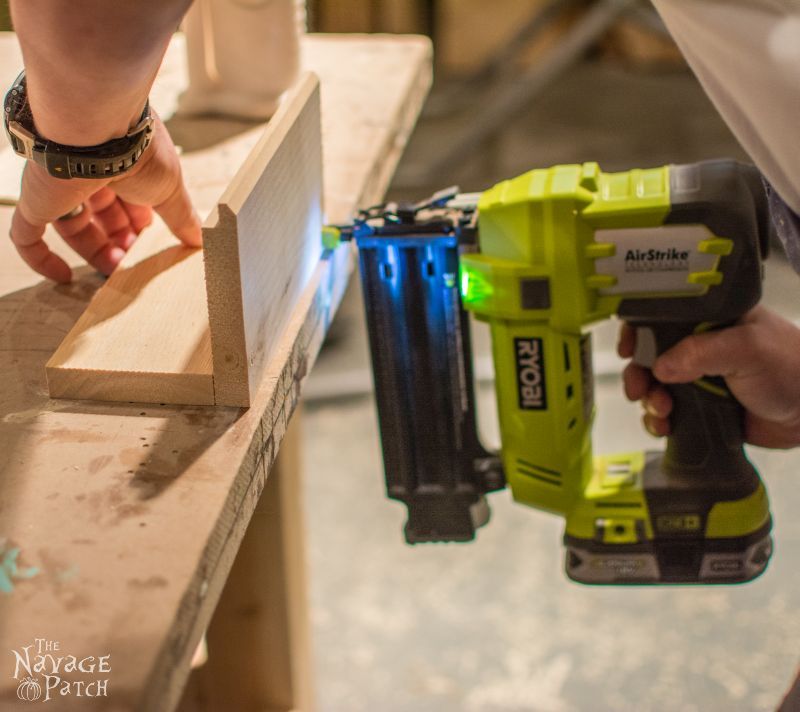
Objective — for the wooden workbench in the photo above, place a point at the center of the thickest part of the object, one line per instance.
(120, 523)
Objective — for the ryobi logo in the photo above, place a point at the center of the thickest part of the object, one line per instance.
(670, 259)
(530, 374)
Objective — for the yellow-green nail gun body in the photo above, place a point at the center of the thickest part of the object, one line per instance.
(671, 250)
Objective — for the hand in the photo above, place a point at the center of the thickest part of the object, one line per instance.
(759, 358)
(114, 211)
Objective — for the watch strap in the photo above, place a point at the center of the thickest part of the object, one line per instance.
(105, 160)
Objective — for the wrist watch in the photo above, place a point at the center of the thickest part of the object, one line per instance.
(105, 160)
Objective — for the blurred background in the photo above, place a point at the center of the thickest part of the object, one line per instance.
(494, 625)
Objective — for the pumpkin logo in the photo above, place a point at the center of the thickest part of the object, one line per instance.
(29, 690)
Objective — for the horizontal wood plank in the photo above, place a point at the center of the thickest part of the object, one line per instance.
(144, 336)
(149, 335)
(132, 515)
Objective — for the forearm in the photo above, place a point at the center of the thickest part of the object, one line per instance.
(90, 63)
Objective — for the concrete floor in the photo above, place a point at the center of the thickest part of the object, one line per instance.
(494, 625)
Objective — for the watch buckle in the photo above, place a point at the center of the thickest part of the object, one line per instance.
(25, 138)
(145, 124)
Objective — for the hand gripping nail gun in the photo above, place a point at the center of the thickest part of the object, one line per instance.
(671, 250)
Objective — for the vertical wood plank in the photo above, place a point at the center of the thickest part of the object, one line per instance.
(259, 638)
(262, 244)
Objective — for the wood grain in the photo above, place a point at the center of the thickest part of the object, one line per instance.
(145, 335)
(134, 514)
(259, 637)
(262, 243)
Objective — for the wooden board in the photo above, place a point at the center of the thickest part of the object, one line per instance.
(145, 335)
(262, 244)
(259, 638)
(132, 515)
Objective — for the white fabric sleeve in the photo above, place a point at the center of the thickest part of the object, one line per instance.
(746, 54)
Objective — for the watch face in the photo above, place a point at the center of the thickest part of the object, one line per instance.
(16, 104)
(15, 98)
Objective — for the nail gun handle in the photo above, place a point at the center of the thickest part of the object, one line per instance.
(706, 424)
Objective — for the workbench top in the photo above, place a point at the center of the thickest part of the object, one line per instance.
(119, 522)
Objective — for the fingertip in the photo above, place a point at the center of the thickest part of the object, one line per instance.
(115, 255)
(181, 218)
(657, 427)
(107, 259)
(627, 341)
(55, 269)
(124, 239)
(636, 382)
(658, 402)
(191, 235)
(40, 259)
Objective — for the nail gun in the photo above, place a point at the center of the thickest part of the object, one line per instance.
(671, 250)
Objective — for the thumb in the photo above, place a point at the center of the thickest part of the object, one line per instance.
(180, 217)
(725, 353)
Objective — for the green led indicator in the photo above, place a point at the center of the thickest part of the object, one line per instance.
(464, 283)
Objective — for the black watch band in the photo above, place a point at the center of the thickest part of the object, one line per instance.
(105, 160)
